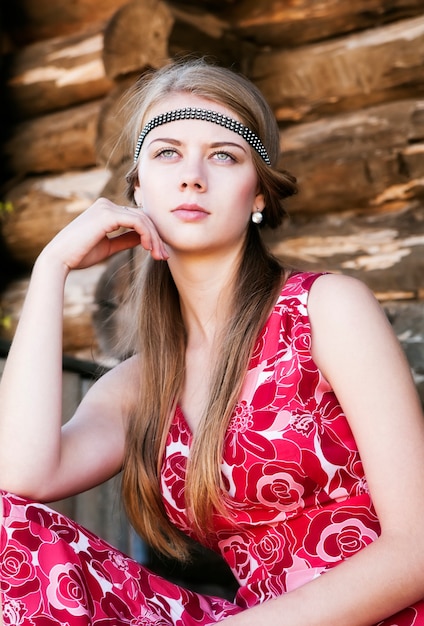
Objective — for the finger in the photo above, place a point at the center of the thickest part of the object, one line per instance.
(129, 239)
(149, 238)
(141, 232)
(152, 241)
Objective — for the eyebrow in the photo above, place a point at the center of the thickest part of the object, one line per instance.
(215, 144)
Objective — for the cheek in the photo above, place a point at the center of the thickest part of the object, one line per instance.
(246, 198)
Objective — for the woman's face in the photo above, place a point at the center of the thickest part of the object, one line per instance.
(197, 180)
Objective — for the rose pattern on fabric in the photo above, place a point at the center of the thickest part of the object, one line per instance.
(297, 498)
(339, 534)
(66, 589)
(17, 566)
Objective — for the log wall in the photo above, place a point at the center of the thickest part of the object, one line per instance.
(345, 81)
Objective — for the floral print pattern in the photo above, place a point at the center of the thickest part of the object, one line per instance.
(296, 490)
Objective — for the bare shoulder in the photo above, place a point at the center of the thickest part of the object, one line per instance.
(345, 315)
(341, 300)
(339, 290)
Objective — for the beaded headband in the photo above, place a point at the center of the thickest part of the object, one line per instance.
(208, 116)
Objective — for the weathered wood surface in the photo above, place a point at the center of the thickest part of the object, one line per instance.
(79, 338)
(33, 20)
(56, 142)
(281, 24)
(136, 38)
(51, 75)
(44, 205)
(111, 311)
(147, 34)
(383, 249)
(366, 158)
(347, 73)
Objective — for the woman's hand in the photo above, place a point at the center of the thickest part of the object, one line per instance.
(95, 235)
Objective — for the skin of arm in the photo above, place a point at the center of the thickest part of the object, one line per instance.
(355, 348)
(37, 458)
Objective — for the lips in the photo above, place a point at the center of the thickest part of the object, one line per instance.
(190, 212)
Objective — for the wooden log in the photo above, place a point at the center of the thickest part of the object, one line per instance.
(35, 20)
(367, 158)
(146, 34)
(288, 24)
(201, 32)
(112, 147)
(56, 142)
(348, 73)
(41, 19)
(111, 315)
(44, 205)
(384, 249)
(136, 38)
(55, 74)
(79, 338)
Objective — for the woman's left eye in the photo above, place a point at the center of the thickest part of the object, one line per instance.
(223, 156)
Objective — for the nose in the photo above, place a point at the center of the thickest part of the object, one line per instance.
(193, 176)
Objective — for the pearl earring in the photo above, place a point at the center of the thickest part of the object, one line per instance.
(257, 217)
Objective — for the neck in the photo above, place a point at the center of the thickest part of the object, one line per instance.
(205, 286)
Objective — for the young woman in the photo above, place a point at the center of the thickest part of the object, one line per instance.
(268, 414)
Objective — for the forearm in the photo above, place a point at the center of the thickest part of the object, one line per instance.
(30, 390)
(377, 582)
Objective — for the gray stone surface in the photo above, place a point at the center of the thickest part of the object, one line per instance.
(407, 319)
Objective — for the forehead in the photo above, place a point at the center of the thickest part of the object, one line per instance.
(182, 100)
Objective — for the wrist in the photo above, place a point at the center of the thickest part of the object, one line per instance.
(47, 263)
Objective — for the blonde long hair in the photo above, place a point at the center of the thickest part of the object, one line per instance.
(159, 335)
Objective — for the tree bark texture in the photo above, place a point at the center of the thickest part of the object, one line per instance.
(346, 73)
(43, 205)
(146, 34)
(282, 24)
(383, 249)
(367, 158)
(79, 337)
(55, 142)
(56, 74)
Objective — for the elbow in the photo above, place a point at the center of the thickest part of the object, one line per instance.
(26, 484)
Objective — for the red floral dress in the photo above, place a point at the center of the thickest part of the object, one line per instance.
(297, 495)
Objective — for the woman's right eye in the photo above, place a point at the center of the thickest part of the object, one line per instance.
(166, 153)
